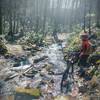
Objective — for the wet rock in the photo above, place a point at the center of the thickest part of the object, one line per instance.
(48, 66)
(32, 48)
(1, 84)
(7, 89)
(49, 97)
(30, 74)
(15, 49)
(40, 59)
(6, 74)
(10, 77)
(21, 61)
(20, 68)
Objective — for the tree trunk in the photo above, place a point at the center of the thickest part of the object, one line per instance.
(10, 23)
(14, 23)
(17, 26)
(45, 16)
(98, 13)
(71, 16)
(37, 16)
(89, 17)
(65, 17)
(84, 16)
(0, 19)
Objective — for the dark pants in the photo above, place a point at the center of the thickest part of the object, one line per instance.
(83, 61)
(83, 64)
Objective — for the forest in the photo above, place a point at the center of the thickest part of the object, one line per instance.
(49, 49)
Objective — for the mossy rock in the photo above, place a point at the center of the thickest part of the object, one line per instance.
(67, 97)
(30, 91)
(15, 49)
(3, 49)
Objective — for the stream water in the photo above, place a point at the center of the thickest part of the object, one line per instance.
(55, 55)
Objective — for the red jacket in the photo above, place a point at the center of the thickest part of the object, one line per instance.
(86, 46)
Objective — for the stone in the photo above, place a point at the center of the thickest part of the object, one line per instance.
(31, 91)
(40, 59)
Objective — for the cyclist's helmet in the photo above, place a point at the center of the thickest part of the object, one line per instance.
(84, 36)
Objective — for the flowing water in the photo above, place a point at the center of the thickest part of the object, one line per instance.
(55, 55)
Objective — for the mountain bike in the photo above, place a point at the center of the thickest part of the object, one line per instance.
(68, 75)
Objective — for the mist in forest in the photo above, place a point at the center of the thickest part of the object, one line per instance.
(47, 15)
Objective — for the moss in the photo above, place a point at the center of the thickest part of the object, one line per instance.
(3, 49)
(34, 92)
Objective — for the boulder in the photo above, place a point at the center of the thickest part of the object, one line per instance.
(40, 59)
(34, 92)
(68, 97)
(15, 49)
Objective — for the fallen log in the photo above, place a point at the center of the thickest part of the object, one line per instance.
(10, 77)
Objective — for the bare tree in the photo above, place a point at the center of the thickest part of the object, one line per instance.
(1, 17)
(98, 13)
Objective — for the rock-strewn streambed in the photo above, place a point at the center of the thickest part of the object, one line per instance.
(35, 77)
(46, 63)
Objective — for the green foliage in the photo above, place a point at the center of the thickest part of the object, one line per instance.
(31, 37)
(98, 34)
(77, 28)
(3, 49)
(73, 42)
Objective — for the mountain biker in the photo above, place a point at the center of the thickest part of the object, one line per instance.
(86, 49)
